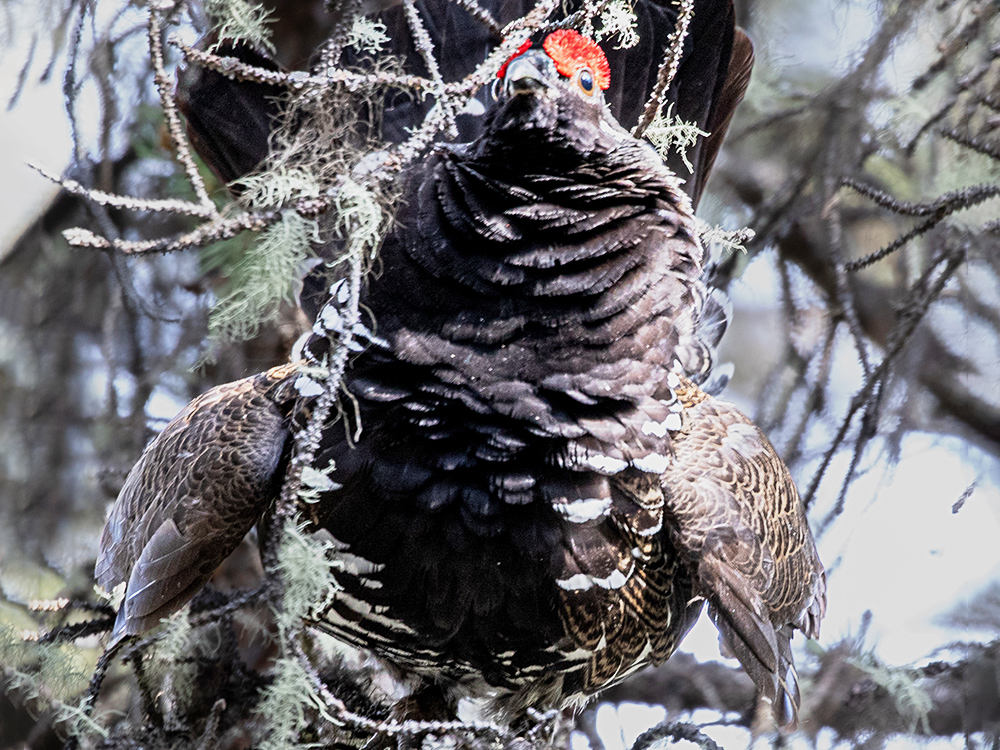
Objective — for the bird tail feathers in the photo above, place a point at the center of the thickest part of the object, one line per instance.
(765, 652)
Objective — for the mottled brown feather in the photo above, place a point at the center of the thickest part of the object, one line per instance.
(195, 492)
(733, 511)
(644, 619)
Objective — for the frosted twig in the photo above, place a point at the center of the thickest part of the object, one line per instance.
(423, 137)
(334, 46)
(669, 67)
(297, 81)
(165, 87)
(422, 41)
(342, 713)
(123, 201)
(436, 121)
(425, 47)
(206, 234)
(481, 14)
(579, 19)
(307, 440)
(675, 731)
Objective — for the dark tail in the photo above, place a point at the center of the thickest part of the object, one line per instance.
(229, 121)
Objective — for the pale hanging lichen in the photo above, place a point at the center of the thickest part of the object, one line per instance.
(241, 21)
(278, 187)
(307, 586)
(50, 673)
(170, 664)
(285, 704)
(315, 482)
(304, 570)
(359, 218)
(669, 133)
(733, 240)
(262, 277)
(42, 670)
(367, 35)
(618, 19)
(912, 702)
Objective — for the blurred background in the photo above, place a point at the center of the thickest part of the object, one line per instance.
(870, 135)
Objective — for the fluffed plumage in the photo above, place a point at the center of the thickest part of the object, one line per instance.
(541, 497)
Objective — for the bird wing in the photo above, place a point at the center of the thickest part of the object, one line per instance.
(195, 492)
(625, 595)
(733, 510)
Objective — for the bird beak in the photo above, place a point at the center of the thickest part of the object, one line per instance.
(524, 75)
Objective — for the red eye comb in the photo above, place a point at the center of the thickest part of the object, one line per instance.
(571, 51)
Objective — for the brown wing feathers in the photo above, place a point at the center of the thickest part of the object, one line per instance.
(735, 513)
(195, 492)
(727, 98)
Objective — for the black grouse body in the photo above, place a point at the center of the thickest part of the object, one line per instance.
(538, 289)
(531, 496)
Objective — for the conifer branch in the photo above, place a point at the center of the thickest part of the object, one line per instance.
(169, 205)
(164, 86)
(668, 68)
(301, 82)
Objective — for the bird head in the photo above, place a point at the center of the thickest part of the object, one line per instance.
(553, 94)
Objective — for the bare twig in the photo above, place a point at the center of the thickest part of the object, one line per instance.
(924, 293)
(668, 68)
(174, 206)
(165, 87)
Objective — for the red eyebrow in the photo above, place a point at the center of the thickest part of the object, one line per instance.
(571, 51)
(520, 51)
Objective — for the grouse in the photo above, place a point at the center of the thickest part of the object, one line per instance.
(535, 496)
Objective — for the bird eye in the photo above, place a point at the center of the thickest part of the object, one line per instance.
(586, 81)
